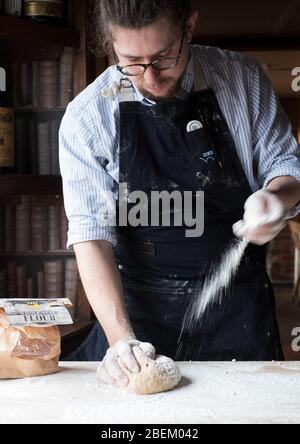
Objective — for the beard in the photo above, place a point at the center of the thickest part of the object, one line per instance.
(174, 87)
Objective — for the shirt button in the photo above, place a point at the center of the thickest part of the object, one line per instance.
(120, 267)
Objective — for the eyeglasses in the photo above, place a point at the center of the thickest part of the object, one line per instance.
(162, 64)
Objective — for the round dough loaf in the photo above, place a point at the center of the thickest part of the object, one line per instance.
(156, 376)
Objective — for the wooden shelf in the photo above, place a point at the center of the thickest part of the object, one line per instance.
(78, 326)
(57, 253)
(30, 185)
(24, 40)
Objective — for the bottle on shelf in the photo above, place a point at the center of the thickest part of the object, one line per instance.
(7, 125)
(12, 7)
(48, 11)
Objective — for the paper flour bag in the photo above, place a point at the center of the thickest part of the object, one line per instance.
(29, 336)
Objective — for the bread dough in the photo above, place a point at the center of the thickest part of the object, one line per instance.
(156, 376)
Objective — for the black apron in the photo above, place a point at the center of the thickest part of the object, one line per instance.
(187, 146)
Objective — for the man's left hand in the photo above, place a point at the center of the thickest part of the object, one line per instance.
(264, 218)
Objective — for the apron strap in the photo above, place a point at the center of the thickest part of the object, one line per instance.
(124, 88)
(126, 91)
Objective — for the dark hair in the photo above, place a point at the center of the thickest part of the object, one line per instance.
(132, 14)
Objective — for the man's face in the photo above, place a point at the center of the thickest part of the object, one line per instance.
(161, 39)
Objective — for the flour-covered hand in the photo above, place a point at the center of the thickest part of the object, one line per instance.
(109, 370)
(264, 218)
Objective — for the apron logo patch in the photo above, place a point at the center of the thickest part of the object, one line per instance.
(194, 125)
(210, 155)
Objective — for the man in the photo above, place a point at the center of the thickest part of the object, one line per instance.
(175, 117)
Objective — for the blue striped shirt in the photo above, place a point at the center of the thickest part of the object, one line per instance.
(89, 137)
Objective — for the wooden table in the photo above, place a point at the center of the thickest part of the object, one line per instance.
(209, 393)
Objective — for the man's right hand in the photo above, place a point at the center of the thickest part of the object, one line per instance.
(110, 372)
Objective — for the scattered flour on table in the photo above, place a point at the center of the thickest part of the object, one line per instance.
(215, 392)
(18, 385)
(209, 392)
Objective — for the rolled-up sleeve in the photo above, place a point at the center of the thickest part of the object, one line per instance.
(87, 187)
(276, 151)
